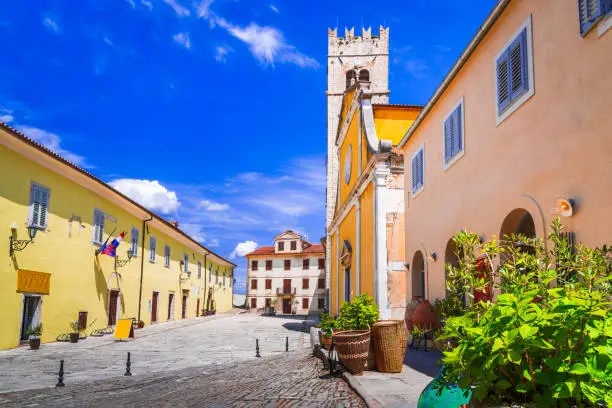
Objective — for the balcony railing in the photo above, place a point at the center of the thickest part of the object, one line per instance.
(285, 291)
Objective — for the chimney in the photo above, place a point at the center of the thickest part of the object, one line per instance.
(175, 224)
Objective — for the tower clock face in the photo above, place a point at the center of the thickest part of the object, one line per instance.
(347, 164)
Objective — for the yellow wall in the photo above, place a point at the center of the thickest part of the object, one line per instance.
(368, 246)
(333, 293)
(392, 122)
(352, 139)
(347, 231)
(80, 281)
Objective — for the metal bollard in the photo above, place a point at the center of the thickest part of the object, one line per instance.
(257, 348)
(286, 344)
(128, 365)
(60, 380)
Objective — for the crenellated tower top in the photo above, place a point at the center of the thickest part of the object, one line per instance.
(352, 44)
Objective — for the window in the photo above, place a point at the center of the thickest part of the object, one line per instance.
(210, 273)
(268, 302)
(268, 283)
(351, 78)
(590, 12)
(281, 246)
(305, 283)
(152, 247)
(134, 241)
(199, 270)
(167, 256)
(98, 227)
(268, 265)
(321, 263)
(253, 283)
(293, 245)
(321, 303)
(254, 303)
(223, 278)
(364, 75)
(453, 135)
(514, 73)
(185, 263)
(305, 303)
(321, 283)
(287, 264)
(305, 263)
(254, 265)
(39, 206)
(217, 276)
(417, 171)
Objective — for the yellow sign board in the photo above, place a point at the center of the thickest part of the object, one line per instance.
(124, 329)
(33, 282)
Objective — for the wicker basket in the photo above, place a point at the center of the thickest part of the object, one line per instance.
(390, 341)
(352, 347)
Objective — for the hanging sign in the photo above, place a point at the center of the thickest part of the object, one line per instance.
(33, 282)
(124, 329)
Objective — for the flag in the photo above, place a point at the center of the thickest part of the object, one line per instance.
(111, 249)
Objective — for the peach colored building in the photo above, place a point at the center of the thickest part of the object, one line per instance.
(523, 118)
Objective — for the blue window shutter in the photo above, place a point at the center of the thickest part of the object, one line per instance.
(458, 131)
(589, 11)
(518, 65)
(415, 177)
(448, 138)
(422, 172)
(503, 81)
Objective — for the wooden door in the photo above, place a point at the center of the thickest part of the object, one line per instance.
(287, 306)
(184, 307)
(112, 307)
(170, 306)
(287, 286)
(154, 307)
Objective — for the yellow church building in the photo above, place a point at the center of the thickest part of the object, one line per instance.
(55, 217)
(367, 230)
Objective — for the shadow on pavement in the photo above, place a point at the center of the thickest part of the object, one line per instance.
(425, 362)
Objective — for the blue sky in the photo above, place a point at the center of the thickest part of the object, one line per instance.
(210, 112)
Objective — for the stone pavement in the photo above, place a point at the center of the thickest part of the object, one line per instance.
(219, 340)
(401, 389)
(292, 379)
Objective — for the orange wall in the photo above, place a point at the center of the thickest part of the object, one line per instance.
(367, 246)
(557, 144)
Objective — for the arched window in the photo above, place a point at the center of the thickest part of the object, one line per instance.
(364, 75)
(351, 78)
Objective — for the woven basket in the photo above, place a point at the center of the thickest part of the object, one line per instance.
(352, 347)
(390, 341)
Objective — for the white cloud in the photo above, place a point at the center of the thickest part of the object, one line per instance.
(178, 9)
(243, 248)
(274, 8)
(6, 115)
(221, 53)
(53, 142)
(213, 243)
(51, 25)
(183, 39)
(417, 68)
(131, 3)
(147, 4)
(203, 8)
(212, 206)
(149, 193)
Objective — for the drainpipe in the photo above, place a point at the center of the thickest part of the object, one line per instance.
(205, 267)
(144, 225)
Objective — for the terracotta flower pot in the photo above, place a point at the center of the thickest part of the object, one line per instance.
(424, 316)
(34, 343)
(74, 337)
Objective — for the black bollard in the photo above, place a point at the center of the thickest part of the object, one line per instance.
(60, 380)
(257, 348)
(128, 365)
(286, 344)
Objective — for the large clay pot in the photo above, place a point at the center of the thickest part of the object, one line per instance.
(424, 316)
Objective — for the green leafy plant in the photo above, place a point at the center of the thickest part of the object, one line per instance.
(359, 315)
(327, 323)
(547, 338)
(34, 330)
(74, 325)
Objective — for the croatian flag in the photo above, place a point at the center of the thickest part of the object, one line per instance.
(111, 249)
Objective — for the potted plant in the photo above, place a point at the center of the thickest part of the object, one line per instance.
(34, 333)
(327, 324)
(74, 336)
(140, 324)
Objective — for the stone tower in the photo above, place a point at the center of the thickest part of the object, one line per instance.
(350, 59)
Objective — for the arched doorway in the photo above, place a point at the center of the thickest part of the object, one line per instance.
(418, 275)
(518, 221)
(450, 258)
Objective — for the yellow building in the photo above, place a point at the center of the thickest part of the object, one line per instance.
(367, 231)
(57, 278)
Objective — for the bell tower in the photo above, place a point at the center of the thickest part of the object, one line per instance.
(350, 59)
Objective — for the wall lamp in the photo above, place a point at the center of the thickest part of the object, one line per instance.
(564, 207)
(20, 244)
(433, 256)
(122, 262)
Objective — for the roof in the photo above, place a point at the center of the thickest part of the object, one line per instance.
(269, 250)
(397, 105)
(15, 133)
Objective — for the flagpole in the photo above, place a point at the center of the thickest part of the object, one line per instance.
(106, 242)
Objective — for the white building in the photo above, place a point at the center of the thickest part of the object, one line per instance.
(289, 276)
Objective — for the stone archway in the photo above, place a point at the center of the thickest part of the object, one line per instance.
(418, 275)
(518, 221)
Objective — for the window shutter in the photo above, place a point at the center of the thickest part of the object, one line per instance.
(503, 82)
(415, 177)
(420, 168)
(448, 138)
(98, 226)
(590, 10)
(457, 131)
(44, 204)
(134, 241)
(152, 249)
(518, 65)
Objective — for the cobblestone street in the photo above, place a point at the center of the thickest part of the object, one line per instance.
(205, 362)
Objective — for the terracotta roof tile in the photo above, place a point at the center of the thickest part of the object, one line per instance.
(269, 250)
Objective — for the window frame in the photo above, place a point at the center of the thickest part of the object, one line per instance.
(268, 281)
(254, 265)
(287, 262)
(167, 254)
(293, 245)
(321, 263)
(268, 262)
(305, 303)
(305, 283)
(96, 226)
(453, 159)
(152, 248)
(253, 303)
(253, 284)
(513, 105)
(591, 24)
(281, 245)
(134, 243)
(40, 226)
(419, 190)
(306, 264)
(199, 270)
(185, 263)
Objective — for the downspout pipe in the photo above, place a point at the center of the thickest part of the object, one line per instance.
(144, 225)
(205, 268)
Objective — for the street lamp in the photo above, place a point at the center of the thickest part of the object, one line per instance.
(20, 244)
